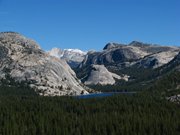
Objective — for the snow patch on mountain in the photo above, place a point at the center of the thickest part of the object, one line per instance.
(72, 56)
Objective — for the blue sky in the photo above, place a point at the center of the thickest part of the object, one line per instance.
(90, 24)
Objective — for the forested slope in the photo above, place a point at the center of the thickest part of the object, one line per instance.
(139, 114)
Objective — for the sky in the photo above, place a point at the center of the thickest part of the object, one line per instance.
(91, 24)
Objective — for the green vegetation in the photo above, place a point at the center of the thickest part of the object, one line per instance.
(167, 85)
(139, 114)
(16, 91)
(8, 87)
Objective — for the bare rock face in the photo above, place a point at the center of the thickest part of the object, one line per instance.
(158, 59)
(100, 75)
(109, 56)
(23, 60)
(135, 52)
(122, 58)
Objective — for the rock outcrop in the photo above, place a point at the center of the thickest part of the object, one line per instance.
(24, 61)
(100, 75)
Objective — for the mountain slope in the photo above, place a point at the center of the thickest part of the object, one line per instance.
(24, 61)
(137, 60)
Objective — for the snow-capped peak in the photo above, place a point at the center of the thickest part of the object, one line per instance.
(74, 56)
(56, 52)
(76, 51)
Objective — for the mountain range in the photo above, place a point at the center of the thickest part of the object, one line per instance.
(133, 66)
(125, 60)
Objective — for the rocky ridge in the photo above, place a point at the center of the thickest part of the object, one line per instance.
(133, 53)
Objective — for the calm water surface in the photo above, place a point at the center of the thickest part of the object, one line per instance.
(104, 94)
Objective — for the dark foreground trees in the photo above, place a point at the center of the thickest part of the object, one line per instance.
(138, 114)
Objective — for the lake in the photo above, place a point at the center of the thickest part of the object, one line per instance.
(103, 94)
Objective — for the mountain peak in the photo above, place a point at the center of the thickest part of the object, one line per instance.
(112, 45)
(75, 51)
(18, 39)
(138, 44)
(73, 56)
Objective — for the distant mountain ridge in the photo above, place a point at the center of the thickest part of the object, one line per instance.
(72, 56)
(114, 53)
(115, 57)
